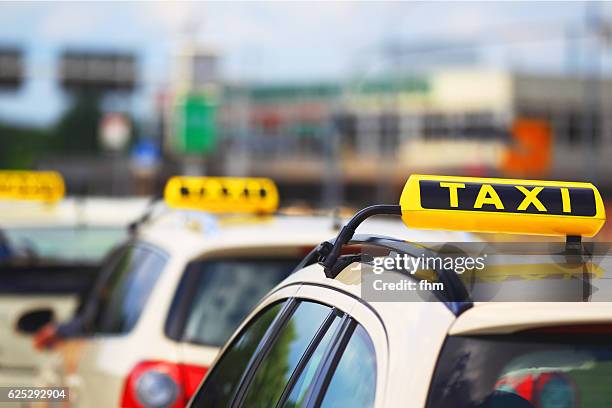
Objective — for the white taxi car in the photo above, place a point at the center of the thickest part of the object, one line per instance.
(318, 340)
(50, 251)
(169, 299)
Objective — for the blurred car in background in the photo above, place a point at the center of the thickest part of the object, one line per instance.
(172, 295)
(50, 256)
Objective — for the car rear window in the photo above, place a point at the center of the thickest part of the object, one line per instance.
(215, 295)
(526, 370)
(53, 260)
(64, 244)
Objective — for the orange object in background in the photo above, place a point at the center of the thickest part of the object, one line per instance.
(530, 153)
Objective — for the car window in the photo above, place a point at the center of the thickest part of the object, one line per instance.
(278, 365)
(65, 244)
(292, 361)
(127, 289)
(216, 295)
(221, 384)
(353, 383)
(53, 260)
(560, 370)
(297, 394)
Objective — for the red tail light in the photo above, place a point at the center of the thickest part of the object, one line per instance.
(159, 383)
(192, 377)
(535, 387)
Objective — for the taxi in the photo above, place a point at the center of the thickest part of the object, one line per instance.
(50, 250)
(171, 296)
(323, 338)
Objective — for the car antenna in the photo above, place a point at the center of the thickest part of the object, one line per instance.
(146, 216)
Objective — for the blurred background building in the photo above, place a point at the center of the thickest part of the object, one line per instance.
(406, 106)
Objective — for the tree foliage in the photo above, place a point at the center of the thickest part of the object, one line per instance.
(75, 132)
(77, 129)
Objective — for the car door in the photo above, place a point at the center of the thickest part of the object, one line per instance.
(122, 299)
(32, 295)
(353, 372)
(46, 272)
(304, 351)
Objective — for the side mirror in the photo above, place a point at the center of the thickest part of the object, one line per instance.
(31, 321)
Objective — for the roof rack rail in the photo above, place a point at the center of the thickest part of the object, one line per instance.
(329, 253)
(333, 263)
(456, 296)
(146, 215)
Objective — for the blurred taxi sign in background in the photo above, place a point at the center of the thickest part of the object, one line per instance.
(46, 186)
(502, 205)
(222, 194)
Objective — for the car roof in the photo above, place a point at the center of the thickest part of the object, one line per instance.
(510, 317)
(180, 231)
(87, 211)
(484, 318)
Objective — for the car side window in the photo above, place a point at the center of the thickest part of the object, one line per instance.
(315, 353)
(127, 289)
(221, 384)
(298, 391)
(277, 367)
(353, 383)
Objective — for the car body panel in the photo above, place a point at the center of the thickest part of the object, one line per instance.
(18, 359)
(409, 336)
(395, 344)
(510, 317)
(15, 346)
(393, 333)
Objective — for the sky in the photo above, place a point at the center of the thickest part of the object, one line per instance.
(268, 41)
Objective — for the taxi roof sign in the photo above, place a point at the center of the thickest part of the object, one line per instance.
(222, 194)
(502, 205)
(45, 186)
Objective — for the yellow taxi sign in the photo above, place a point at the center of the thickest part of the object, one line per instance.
(222, 194)
(502, 205)
(46, 186)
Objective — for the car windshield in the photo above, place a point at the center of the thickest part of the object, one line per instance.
(64, 244)
(526, 371)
